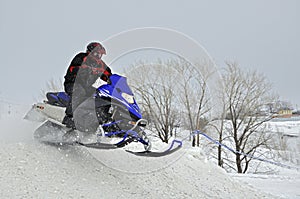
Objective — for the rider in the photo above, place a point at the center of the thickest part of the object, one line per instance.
(85, 69)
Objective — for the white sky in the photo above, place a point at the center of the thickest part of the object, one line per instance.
(39, 38)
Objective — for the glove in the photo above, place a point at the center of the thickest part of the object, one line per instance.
(105, 76)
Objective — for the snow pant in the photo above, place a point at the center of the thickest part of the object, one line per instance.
(90, 113)
(77, 95)
(85, 117)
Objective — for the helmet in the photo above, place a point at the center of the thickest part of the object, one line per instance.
(95, 46)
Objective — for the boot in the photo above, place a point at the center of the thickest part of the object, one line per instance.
(69, 122)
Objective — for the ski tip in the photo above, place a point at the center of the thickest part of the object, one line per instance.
(154, 154)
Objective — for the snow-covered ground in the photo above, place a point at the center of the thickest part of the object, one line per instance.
(33, 170)
(285, 184)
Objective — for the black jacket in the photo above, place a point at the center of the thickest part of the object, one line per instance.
(85, 70)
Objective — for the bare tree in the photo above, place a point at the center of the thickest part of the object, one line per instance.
(192, 85)
(245, 94)
(172, 92)
(53, 86)
(155, 84)
(218, 125)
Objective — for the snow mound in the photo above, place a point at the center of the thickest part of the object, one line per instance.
(41, 171)
(33, 170)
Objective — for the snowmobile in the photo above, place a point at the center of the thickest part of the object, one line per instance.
(112, 112)
(113, 103)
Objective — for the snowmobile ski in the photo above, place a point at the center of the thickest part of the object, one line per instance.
(98, 145)
(153, 154)
(107, 146)
(169, 151)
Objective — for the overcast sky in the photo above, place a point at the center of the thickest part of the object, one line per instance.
(39, 38)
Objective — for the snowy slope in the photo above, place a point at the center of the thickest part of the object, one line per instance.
(39, 171)
(33, 170)
(285, 184)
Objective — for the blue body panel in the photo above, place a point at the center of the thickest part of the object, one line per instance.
(115, 89)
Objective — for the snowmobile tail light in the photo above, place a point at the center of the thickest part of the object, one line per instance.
(128, 98)
(132, 123)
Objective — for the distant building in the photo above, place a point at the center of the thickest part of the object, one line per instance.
(285, 112)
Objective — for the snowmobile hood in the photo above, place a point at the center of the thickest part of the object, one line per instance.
(118, 86)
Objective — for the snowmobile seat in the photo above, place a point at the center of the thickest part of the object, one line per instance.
(58, 98)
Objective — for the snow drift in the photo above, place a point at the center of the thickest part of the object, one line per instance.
(34, 170)
(40, 171)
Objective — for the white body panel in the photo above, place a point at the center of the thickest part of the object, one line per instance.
(43, 111)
